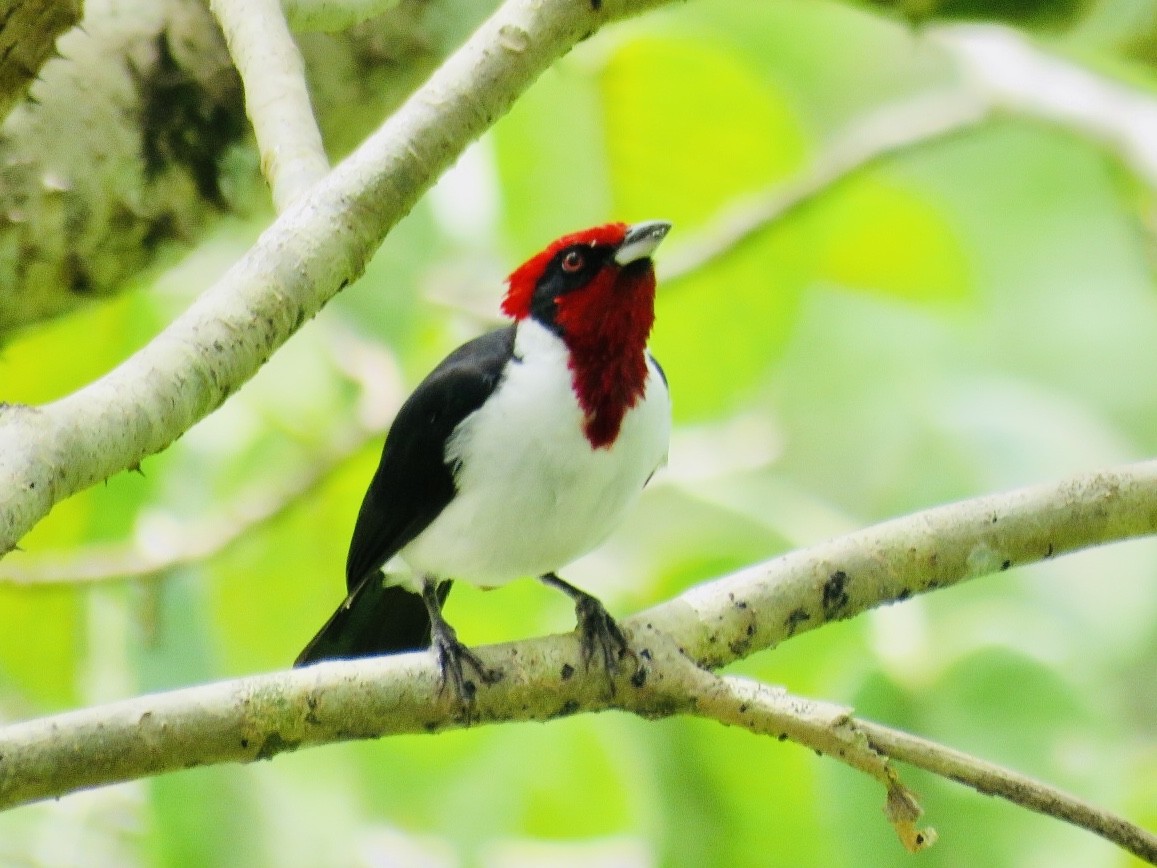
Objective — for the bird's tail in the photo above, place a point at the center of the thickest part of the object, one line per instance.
(375, 619)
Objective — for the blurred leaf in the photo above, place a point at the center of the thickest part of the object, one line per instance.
(44, 633)
(689, 127)
(550, 160)
(58, 357)
(719, 329)
(876, 236)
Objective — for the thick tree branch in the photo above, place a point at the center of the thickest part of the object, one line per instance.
(307, 255)
(156, 547)
(759, 607)
(276, 98)
(713, 624)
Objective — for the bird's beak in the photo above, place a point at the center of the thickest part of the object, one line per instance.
(641, 241)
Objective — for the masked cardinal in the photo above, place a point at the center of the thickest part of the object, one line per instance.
(519, 453)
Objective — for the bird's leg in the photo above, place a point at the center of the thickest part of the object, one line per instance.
(452, 653)
(599, 631)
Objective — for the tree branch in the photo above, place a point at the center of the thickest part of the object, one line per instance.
(994, 780)
(156, 547)
(1016, 76)
(308, 254)
(756, 608)
(276, 98)
(713, 624)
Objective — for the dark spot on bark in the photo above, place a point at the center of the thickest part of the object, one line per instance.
(639, 678)
(567, 671)
(794, 619)
(1049, 553)
(835, 597)
(919, 839)
(739, 647)
(743, 708)
(596, 5)
(275, 744)
(430, 726)
(244, 743)
(568, 708)
(311, 715)
(645, 653)
(903, 595)
(783, 736)
(1005, 564)
(932, 585)
(750, 630)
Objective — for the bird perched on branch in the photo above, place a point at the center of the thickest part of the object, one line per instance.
(519, 453)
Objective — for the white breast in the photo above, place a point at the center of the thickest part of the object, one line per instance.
(532, 493)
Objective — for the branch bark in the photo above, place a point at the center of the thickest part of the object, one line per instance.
(306, 256)
(276, 98)
(164, 153)
(711, 625)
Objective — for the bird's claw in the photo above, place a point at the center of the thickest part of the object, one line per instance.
(600, 634)
(452, 654)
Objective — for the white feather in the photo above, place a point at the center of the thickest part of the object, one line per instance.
(532, 493)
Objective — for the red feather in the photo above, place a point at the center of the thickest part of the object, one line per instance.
(525, 278)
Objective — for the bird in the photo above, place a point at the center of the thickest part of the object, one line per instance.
(517, 454)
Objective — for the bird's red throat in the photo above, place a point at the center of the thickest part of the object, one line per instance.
(605, 327)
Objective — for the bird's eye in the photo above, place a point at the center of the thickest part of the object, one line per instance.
(572, 262)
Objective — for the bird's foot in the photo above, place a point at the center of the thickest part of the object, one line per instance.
(452, 654)
(599, 635)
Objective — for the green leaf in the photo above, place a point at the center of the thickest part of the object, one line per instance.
(690, 127)
(877, 235)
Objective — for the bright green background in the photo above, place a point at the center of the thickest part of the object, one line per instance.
(974, 315)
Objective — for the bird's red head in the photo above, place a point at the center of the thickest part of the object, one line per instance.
(595, 289)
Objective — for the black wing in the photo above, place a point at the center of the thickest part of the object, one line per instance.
(413, 483)
(411, 486)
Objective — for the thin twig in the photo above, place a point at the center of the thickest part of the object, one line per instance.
(883, 133)
(1003, 73)
(276, 98)
(823, 727)
(994, 780)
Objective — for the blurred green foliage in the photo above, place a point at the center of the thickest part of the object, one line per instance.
(975, 314)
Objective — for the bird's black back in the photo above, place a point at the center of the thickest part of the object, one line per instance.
(411, 487)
